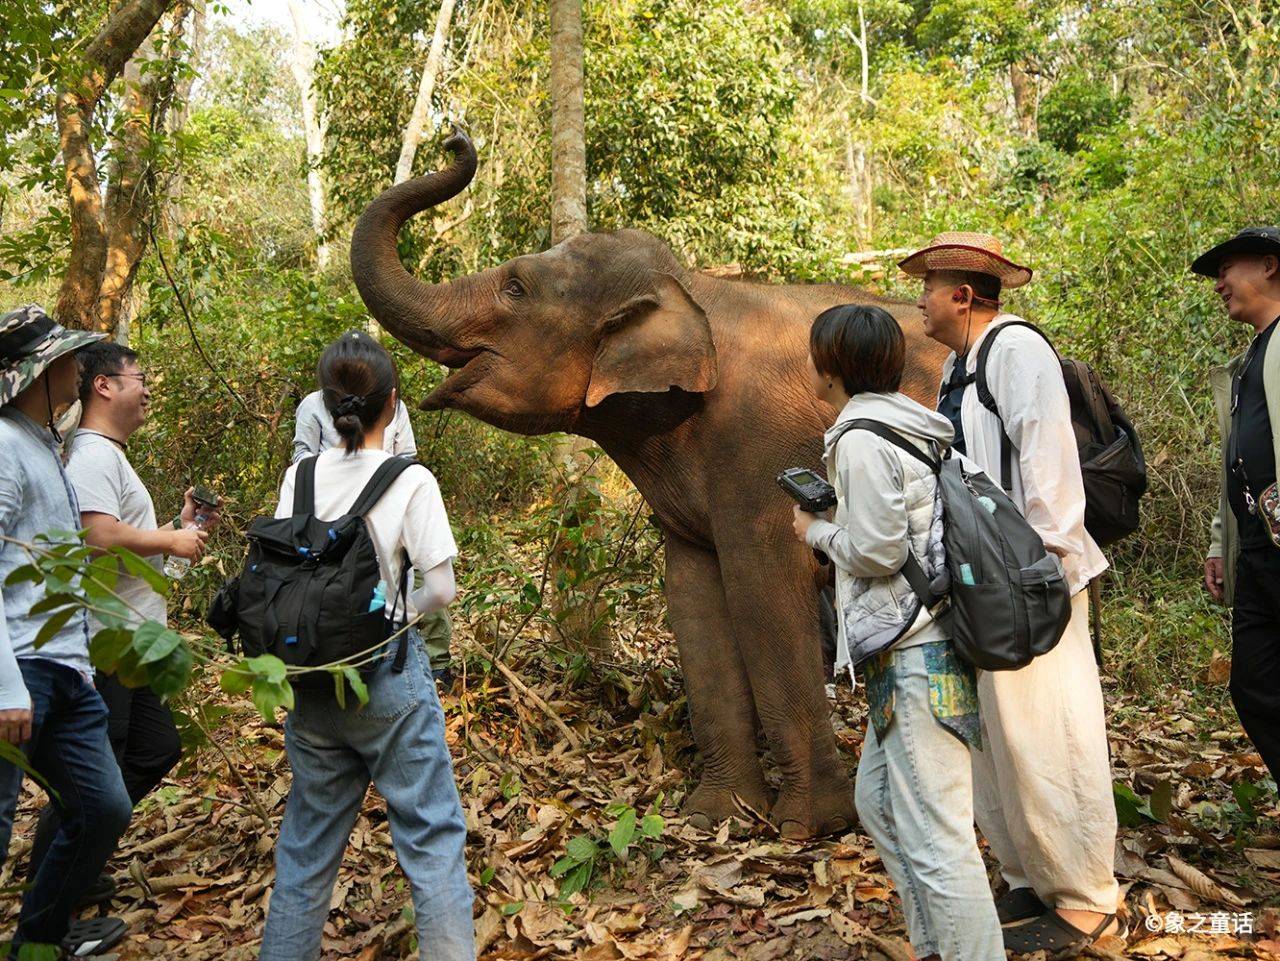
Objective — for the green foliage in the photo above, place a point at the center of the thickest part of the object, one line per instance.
(1078, 107)
(588, 855)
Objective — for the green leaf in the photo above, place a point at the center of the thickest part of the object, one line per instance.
(27, 572)
(267, 697)
(154, 642)
(652, 826)
(357, 684)
(236, 680)
(138, 567)
(269, 666)
(577, 880)
(582, 848)
(1131, 810)
(623, 832)
(514, 907)
(487, 875)
(563, 866)
(339, 688)
(51, 602)
(108, 646)
(169, 676)
(53, 625)
(14, 755)
(39, 952)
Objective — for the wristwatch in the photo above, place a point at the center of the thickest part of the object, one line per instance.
(177, 522)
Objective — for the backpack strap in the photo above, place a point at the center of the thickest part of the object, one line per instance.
(911, 569)
(304, 486)
(402, 652)
(382, 478)
(891, 436)
(988, 400)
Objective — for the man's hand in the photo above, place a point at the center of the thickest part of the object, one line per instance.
(188, 543)
(15, 726)
(801, 521)
(1214, 574)
(189, 510)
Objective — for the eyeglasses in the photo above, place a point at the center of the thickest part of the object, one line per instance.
(142, 378)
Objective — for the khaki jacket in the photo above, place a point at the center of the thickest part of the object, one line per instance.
(1225, 536)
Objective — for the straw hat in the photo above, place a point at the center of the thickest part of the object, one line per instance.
(962, 250)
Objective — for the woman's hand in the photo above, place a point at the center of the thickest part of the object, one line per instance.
(801, 521)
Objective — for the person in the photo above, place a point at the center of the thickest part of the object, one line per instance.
(314, 433)
(397, 739)
(1042, 780)
(914, 789)
(1243, 563)
(116, 510)
(48, 705)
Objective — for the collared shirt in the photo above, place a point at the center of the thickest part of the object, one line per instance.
(314, 432)
(1025, 377)
(1250, 450)
(35, 498)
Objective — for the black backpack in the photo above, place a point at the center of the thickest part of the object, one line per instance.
(307, 585)
(1008, 598)
(1111, 461)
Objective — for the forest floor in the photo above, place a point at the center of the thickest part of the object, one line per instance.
(1201, 850)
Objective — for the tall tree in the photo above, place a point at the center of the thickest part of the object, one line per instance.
(568, 139)
(107, 239)
(422, 105)
(302, 62)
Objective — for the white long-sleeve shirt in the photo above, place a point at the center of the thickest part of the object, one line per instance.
(1025, 378)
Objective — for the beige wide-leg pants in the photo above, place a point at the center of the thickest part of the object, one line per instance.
(1042, 783)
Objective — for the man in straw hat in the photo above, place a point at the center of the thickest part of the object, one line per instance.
(48, 705)
(1243, 566)
(1042, 782)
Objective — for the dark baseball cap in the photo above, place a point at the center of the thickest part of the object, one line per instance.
(1251, 240)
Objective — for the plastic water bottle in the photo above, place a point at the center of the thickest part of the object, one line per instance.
(379, 599)
(177, 567)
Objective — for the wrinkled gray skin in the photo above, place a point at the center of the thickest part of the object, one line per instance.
(696, 387)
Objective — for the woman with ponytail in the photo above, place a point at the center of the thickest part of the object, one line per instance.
(396, 740)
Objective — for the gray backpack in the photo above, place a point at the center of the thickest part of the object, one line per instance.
(1009, 599)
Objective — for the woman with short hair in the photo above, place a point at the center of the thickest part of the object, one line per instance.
(914, 789)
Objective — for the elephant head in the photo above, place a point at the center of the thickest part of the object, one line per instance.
(535, 343)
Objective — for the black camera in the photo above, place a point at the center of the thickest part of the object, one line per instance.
(807, 489)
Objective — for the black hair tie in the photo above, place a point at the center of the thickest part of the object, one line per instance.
(350, 404)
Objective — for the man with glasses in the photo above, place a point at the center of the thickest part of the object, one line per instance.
(116, 511)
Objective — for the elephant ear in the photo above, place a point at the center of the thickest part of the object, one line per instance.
(657, 340)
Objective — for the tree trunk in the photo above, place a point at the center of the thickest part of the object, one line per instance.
(422, 106)
(303, 63)
(102, 61)
(568, 137)
(1024, 98)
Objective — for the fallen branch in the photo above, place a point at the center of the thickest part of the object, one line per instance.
(513, 679)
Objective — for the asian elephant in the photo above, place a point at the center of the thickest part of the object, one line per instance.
(696, 387)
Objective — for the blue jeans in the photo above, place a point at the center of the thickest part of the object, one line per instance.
(397, 741)
(914, 795)
(70, 749)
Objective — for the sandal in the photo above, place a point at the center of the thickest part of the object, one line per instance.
(1019, 904)
(91, 936)
(1054, 936)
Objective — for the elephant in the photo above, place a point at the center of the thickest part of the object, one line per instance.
(696, 387)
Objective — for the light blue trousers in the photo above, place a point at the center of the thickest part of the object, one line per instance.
(915, 798)
(397, 741)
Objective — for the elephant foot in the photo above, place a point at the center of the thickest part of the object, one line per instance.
(709, 804)
(825, 809)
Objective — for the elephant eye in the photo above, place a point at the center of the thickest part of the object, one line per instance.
(513, 287)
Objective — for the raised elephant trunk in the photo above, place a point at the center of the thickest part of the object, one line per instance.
(413, 311)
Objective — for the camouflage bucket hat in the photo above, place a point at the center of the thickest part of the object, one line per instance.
(31, 340)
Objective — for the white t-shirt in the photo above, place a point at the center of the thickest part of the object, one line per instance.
(106, 483)
(409, 516)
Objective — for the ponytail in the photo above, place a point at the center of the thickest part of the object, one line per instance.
(357, 376)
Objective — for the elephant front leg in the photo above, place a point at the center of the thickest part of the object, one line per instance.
(774, 609)
(720, 704)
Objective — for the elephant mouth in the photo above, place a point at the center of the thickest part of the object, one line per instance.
(466, 367)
